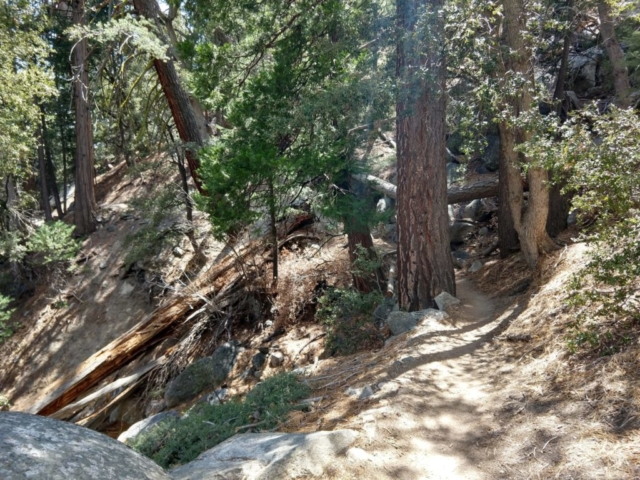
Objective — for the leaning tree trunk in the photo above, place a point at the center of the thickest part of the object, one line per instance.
(530, 223)
(616, 56)
(425, 267)
(177, 97)
(85, 201)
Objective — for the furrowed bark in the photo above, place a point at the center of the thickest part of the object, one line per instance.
(425, 268)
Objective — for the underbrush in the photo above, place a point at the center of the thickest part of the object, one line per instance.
(178, 441)
(348, 316)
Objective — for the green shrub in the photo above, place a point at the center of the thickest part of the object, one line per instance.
(52, 243)
(178, 441)
(4, 403)
(348, 316)
(600, 158)
(5, 314)
(149, 240)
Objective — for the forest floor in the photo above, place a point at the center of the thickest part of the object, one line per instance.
(491, 394)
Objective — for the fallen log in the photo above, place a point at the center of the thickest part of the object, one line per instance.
(73, 408)
(465, 193)
(126, 347)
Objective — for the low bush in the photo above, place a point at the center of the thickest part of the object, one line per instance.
(178, 441)
(5, 314)
(348, 316)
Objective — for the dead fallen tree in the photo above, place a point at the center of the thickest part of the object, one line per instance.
(465, 193)
(218, 283)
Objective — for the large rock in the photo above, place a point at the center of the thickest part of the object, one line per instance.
(430, 314)
(446, 301)
(491, 154)
(144, 425)
(207, 372)
(400, 322)
(268, 456)
(460, 231)
(34, 447)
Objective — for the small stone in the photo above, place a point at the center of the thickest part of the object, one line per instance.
(483, 232)
(215, 398)
(362, 393)
(258, 360)
(445, 300)
(178, 252)
(268, 323)
(103, 265)
(476, 266)
(276, 359)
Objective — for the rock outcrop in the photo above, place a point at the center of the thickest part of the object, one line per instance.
(267, 456)
(34, 447)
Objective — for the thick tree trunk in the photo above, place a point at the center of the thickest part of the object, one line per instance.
(85, 201)
(425, 268)
(530, 223)
(616, 56)
(177, 97)
(42, 174)
(52, 183)
(509, 168)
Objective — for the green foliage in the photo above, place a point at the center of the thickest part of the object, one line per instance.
(160, 209)
(4, 403)
(52, 243)
(24, 81)
(5, 315)
(348, 316)
(599, 155)
(176, 442)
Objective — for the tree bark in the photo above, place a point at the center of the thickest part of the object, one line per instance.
(530, 224)
(42, 174)
(65, 178)
(177, 97)
(425, 268)
(616, 56)
(85, 200)
(52, 183)
(508, 168)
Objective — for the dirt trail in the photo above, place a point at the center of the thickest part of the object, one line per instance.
(434, 412)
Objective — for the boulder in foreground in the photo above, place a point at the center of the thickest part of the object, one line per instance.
(34, 447)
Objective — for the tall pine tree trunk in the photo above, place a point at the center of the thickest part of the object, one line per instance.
(425, 268)
(85, 201)
(52, 183)
(530, 223)
(42, 174)
(177, 97)
(615, 54)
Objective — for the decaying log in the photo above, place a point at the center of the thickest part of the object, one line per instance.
(126, 347)
(71, 409)
(480, 189)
